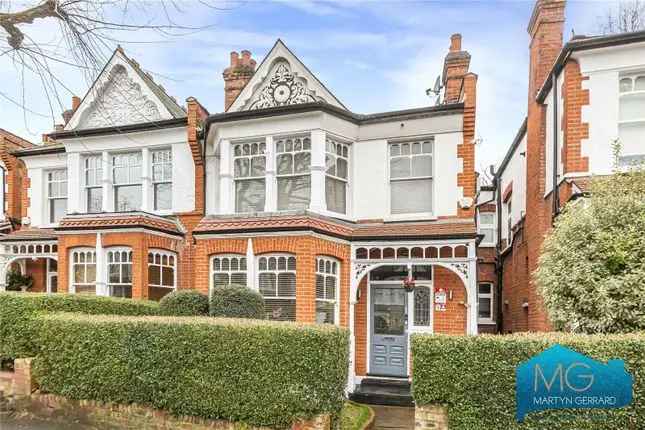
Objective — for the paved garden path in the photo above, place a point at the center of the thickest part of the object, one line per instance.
(393, 418)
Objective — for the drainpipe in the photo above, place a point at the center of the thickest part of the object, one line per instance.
(498, 254)
(556, 191)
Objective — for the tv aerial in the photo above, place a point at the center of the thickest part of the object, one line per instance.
(435, 90)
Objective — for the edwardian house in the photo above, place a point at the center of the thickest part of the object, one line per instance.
(329, 214)
(584, 96)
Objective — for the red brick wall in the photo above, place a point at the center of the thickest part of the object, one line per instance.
(467, 180)
(360, 330)
(453, 320)
(574, 98)
(545, 29)
(38, 270)
(515, 285)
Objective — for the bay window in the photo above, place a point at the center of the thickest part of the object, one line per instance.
(162, 179)
(327, 274)
(126, 177)
(162, 271)
(631, 123)
(119, 265)
(93, 181)
(336, 175)
(293, 162)
(83, 271)
(277, 284)
(56, 194)
(411, 177)
(227, 270)
(249, 169)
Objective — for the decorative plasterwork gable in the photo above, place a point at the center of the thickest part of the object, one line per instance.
(281, 80)
(119, 96)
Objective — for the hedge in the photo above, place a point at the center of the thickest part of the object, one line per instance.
(18, 312)
(184, 303)
(236, 301)
(256, 372)
(475, 378)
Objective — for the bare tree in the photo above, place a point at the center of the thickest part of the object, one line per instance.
(626, 16)
(80, 35)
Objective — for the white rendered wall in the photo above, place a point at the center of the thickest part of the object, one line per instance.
(514, 172)
(37, 166)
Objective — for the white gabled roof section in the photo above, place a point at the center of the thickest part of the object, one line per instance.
(280, 80)
(123, 94)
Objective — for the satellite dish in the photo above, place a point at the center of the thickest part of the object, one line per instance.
(437, 85)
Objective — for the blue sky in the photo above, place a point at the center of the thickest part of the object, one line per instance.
(375, 56)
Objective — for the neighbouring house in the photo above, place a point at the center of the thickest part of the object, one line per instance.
(328, 213)
(583, 96)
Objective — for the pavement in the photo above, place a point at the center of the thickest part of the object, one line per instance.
(393, 417)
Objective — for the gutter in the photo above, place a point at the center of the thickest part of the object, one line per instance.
(498, 255)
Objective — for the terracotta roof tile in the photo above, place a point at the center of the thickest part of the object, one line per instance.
(119, 220)
(348, 230)
(30, 234)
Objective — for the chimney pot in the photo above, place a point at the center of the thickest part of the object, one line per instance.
(455, 42)
(76, 102)
(235, 57)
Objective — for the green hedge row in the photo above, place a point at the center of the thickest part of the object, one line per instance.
(18, 313)
(257, 372)
(475, 378)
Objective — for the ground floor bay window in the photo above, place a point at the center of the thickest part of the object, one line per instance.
(277, 284)
(83, 271)
(119, 265)
(162, 273)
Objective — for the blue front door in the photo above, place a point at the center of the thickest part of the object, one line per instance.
(389, 341)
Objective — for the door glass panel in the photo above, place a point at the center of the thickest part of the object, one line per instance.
(389, 311)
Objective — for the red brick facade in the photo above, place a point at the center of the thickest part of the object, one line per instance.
(574, 98)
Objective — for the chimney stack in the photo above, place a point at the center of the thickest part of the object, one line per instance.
(545, 29)
(76, 102)
(237, 75)
(455, 68)
(67, 115)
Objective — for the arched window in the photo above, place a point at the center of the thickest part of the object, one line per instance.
(327, 274)
(119, 265)
(228, 270)
(83, 268)
(277, 283)
(162, 273)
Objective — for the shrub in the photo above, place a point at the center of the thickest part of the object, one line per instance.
(475, 378)
(258, 372)
(184, 303)
(16, 281)
(18, 312)
(236, 301)
(592, 268)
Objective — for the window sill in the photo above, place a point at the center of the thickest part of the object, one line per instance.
(487, 245)
(486, 322)
(426, 216)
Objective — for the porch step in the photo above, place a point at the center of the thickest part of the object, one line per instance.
(387, 392)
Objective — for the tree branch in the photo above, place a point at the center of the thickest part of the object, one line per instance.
(9, 21)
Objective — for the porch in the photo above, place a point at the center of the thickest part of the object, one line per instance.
(33, 255)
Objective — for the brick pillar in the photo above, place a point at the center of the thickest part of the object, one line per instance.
(23, 383)
(237, 75)
(545, 30)
(467, 179)
(306, 281)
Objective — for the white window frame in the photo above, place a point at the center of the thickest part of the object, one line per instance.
(390, 180)
(628, 159)
(130, 255)
(162, 253)
(331, 145)
(492, 227)
(163, 180)
(261, 152)
(508, 207)
(491, 297)
(276, 142)
(333, 272)
(130, 181)
(211, 268)
(51, 199)
(95, 172)
(86, 252)
(277, 272)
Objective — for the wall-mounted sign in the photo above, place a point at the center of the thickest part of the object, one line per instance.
(440, 299)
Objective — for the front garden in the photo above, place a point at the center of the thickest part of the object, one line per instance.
(261, 373)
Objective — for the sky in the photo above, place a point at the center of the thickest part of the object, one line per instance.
(374, 56)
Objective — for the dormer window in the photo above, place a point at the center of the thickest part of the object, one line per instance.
(126, 177)
(293, 161)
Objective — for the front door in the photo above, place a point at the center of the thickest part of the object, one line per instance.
(389, 343)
